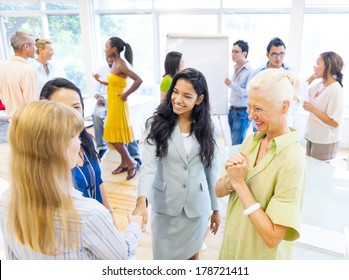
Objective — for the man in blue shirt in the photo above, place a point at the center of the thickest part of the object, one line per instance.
(237, 115)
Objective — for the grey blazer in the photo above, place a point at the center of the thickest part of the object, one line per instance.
(178, 181)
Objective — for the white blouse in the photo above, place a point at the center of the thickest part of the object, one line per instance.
(188, 142)
(330, 102)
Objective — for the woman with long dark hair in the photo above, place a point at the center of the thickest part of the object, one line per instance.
(179, 170)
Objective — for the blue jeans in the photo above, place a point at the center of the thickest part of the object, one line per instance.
(98, 118)
(238, 123)
(134, 151)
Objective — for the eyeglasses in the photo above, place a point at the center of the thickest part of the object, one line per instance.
(236, 51)
(274, 54)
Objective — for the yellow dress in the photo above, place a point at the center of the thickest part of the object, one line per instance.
(118, 127)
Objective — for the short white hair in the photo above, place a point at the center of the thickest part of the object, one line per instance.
(277, 85)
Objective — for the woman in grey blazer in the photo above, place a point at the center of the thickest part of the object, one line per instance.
(179, 170)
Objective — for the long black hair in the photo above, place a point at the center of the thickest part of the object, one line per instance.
(58, 83)
(164, 120)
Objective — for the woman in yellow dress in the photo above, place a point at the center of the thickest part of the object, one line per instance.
(118, 130)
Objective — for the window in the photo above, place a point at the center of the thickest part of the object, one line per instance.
(123, 4)
(31, 25)
(19, 6)
(257, 30)
(65, 5)
(185, 4)
(65, 31)
(265, 4)
(137, 30)
(328, 36)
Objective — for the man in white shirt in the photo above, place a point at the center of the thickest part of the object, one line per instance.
(18, 80)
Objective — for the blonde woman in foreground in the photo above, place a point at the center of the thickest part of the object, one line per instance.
(42, 215)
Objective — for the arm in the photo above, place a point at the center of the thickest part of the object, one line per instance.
(111, 244)
(165, 86)
(239, 86)
(333, 102)
(212, 175)
(106, 202)
(223, 187)
(162, 95)
(145, 182)
(321, 115)
(100, 88)
(311, 79)
(98, 79)
(141, 209)
(237, 168)
(137, 81)
(29, 86)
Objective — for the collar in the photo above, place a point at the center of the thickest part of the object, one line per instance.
(76, 193)
(283, 66)
(243, 66)
(281, 142)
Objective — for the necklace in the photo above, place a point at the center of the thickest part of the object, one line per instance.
(90, 186)
(265, 146)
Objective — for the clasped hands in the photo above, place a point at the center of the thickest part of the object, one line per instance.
(237, 168)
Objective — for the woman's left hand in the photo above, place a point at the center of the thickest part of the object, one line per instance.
(215, 221)
(123, 96)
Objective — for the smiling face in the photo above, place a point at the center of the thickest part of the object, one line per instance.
(184, 98)
(269, 117)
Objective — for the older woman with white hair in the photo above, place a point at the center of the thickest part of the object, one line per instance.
(265, 179)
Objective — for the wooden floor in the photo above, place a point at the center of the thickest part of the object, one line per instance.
(122, 197)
